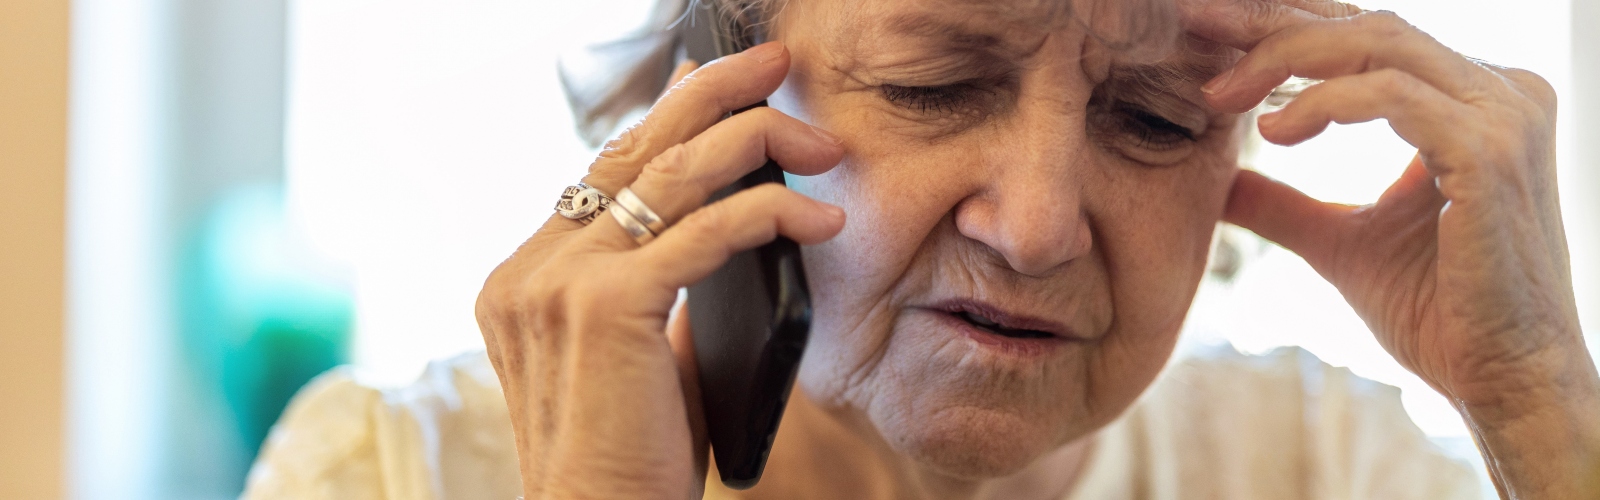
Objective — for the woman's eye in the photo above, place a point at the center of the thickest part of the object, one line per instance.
(1151, 131)
(1135, 132)
(939, 99)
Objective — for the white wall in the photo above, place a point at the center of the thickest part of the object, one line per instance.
(118, 304)
(1580, 188)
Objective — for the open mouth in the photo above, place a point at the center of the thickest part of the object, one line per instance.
(983, 323)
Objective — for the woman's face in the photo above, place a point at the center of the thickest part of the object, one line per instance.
(1029, 216)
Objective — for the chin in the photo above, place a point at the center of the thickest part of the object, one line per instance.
(974, 442)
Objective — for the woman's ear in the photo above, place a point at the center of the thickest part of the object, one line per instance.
(1232, 248)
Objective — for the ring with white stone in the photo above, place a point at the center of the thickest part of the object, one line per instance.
(582, 203)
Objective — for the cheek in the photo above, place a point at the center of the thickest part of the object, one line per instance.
(859, 278)
(894, 198)
(1154, 230)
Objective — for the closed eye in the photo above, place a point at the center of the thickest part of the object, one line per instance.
(1151, 130)
(937, 99)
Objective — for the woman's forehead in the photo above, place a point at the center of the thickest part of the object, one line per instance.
(1133, 30)
(1111, 19)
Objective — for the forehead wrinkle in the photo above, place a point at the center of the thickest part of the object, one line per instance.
(925, 25)
(964, 33)
(1037, 13)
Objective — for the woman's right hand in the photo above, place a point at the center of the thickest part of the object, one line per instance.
(602, 393)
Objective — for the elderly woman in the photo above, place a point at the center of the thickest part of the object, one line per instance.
(1007, 207)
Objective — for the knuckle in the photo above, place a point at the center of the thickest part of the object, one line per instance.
(1384, 18)
(628, 145)
(501, 290)
(1535, 88)
(493, 300)
(1384, 22)
(711, 221)
(708, 86)
(1396, 84)
(618, 160)
(516, 299)
(1261, 19)
(1342, 9)
(680, 85)
(672, 165)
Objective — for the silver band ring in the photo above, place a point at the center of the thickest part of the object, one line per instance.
(582, 203)
(640, 233)
(637, 208)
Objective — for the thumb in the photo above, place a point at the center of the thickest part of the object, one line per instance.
(1286, 216)
(681, 338)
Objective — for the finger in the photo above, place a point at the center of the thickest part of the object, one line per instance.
(1286, 216)
(1325, 8)
(702, 98)
(1529, 84)
(1419, 113)
(680, 179)
(1414, 192)
(681, 338)
(1337, 47)
(1240, 24)
(689, 251)
(683, 70)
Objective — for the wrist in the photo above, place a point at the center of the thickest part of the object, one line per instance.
(1538, 426)
(1555, 383)
(1550, 453)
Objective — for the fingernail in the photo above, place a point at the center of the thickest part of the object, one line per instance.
(827, 136)
(1266, 120)
(765, 52)
(833, 211)
(1216, 84)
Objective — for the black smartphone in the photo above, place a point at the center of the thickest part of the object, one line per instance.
(751, 318)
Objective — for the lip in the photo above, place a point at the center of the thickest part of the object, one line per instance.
(1059, 334)
(1006, 319)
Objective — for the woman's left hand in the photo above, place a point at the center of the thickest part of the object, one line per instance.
(1461, 268)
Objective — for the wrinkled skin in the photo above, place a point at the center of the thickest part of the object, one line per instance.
(1023, 192)
(994, 159)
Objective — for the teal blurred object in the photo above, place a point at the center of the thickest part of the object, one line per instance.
(263, 312)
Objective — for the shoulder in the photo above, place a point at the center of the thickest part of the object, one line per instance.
(1281, 425)
(446, 434)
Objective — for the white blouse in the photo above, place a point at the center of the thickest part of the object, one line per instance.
(1216, 425)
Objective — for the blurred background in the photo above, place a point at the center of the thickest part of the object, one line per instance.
(205, 203)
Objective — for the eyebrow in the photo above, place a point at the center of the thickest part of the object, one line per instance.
(1178, 77)
(1171, 89)
(959, 35)
(1169, 77)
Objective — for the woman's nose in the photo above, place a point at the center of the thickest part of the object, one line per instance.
(1030, 213)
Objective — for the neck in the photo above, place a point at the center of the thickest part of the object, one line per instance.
(834, 454)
